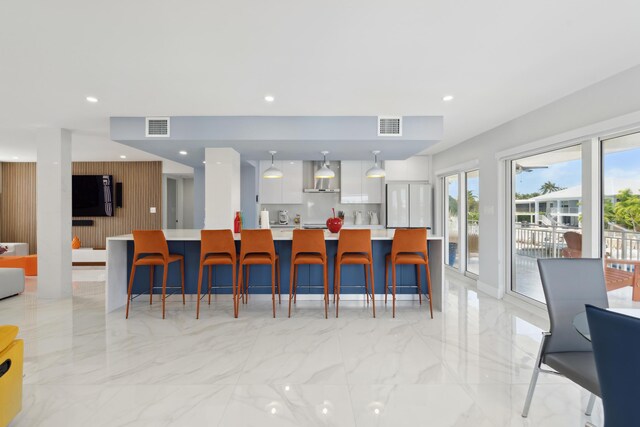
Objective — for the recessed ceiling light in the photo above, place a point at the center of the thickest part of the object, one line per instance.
(184, 153)
(123, 157)
(218, 163)
(204, 162)
(15, 157)
(447, 98)
(92, 99)
(269, 98)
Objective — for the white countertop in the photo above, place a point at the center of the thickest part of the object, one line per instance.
(278, 234)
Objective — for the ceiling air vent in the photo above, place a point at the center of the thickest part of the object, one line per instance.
(389, 126)
(157, 127)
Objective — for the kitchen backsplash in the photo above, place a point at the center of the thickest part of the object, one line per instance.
(316, 208)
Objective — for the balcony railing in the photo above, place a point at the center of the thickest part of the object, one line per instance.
(548, 242)
(564, 210)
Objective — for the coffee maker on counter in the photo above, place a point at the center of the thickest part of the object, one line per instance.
(283, 217)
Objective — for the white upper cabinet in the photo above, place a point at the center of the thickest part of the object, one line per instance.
(270, 189)
(355, 187)
(350, 182)
(285, 190)
(292, 182)
(372, 188)
(415, 168)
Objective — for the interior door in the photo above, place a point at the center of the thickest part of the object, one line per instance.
(397, 205)
(172, 201)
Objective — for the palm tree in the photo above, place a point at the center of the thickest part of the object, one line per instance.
(549, 187)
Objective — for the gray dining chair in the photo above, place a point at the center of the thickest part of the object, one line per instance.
(569, 284)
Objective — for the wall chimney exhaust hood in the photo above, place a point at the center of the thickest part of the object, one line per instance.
(321, 185)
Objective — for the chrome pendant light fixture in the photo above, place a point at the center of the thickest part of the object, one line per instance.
(376, 171)
(324, 171)
(272, 172)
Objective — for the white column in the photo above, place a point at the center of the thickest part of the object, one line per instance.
(591, 218)
(222, 187)
(198, 197)
(54, 212)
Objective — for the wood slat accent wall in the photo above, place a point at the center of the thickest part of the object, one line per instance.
(142, 189)
(18, 204)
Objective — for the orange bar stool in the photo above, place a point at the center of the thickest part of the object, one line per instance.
(257, 248)
(150, 249)
(408, 247)
(308, 247)
(217, 247)
(354, 247)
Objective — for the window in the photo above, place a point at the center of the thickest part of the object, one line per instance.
(462, 215)
(546, 192)
(473, 221)
(452, 223)
(621, 202)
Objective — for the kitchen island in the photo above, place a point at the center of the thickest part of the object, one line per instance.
(187, 243)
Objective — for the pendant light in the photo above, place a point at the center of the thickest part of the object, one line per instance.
(324, 171)
(376, 171)
(272, 172)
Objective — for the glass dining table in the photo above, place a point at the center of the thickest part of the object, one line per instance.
(582, 325)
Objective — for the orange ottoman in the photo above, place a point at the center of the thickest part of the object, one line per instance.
(31, 265)
(28, 263)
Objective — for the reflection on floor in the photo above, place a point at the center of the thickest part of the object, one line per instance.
(470, 366)
(529, 284)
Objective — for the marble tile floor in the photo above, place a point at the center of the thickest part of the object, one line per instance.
(469, 366)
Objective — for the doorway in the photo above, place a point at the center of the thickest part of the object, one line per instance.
(172, 203)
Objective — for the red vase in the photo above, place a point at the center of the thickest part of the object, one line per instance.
(237, 223)
(334, 224)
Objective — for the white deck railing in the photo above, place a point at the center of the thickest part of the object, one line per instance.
(548, 242)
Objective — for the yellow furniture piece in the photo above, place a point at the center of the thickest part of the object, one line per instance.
(11, 357)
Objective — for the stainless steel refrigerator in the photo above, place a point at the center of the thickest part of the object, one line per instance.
(409, 205)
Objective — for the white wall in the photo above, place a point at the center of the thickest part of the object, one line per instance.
(187, 203)
(611, 98)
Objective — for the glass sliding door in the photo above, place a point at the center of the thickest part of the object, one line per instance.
(621, 202)
(546, 195)
(452, 222)
(472, 185)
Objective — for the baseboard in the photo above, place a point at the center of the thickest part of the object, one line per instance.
(88, 264)
(479, 285)
(459, 276)
(489, 290)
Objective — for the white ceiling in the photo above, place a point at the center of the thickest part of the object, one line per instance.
(500, 58)
(19, 146)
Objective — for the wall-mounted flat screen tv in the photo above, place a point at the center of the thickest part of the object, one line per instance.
(92, 195)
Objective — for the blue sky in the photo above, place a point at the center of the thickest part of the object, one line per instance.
(621, 164)
(565, 174)
(473, 185)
